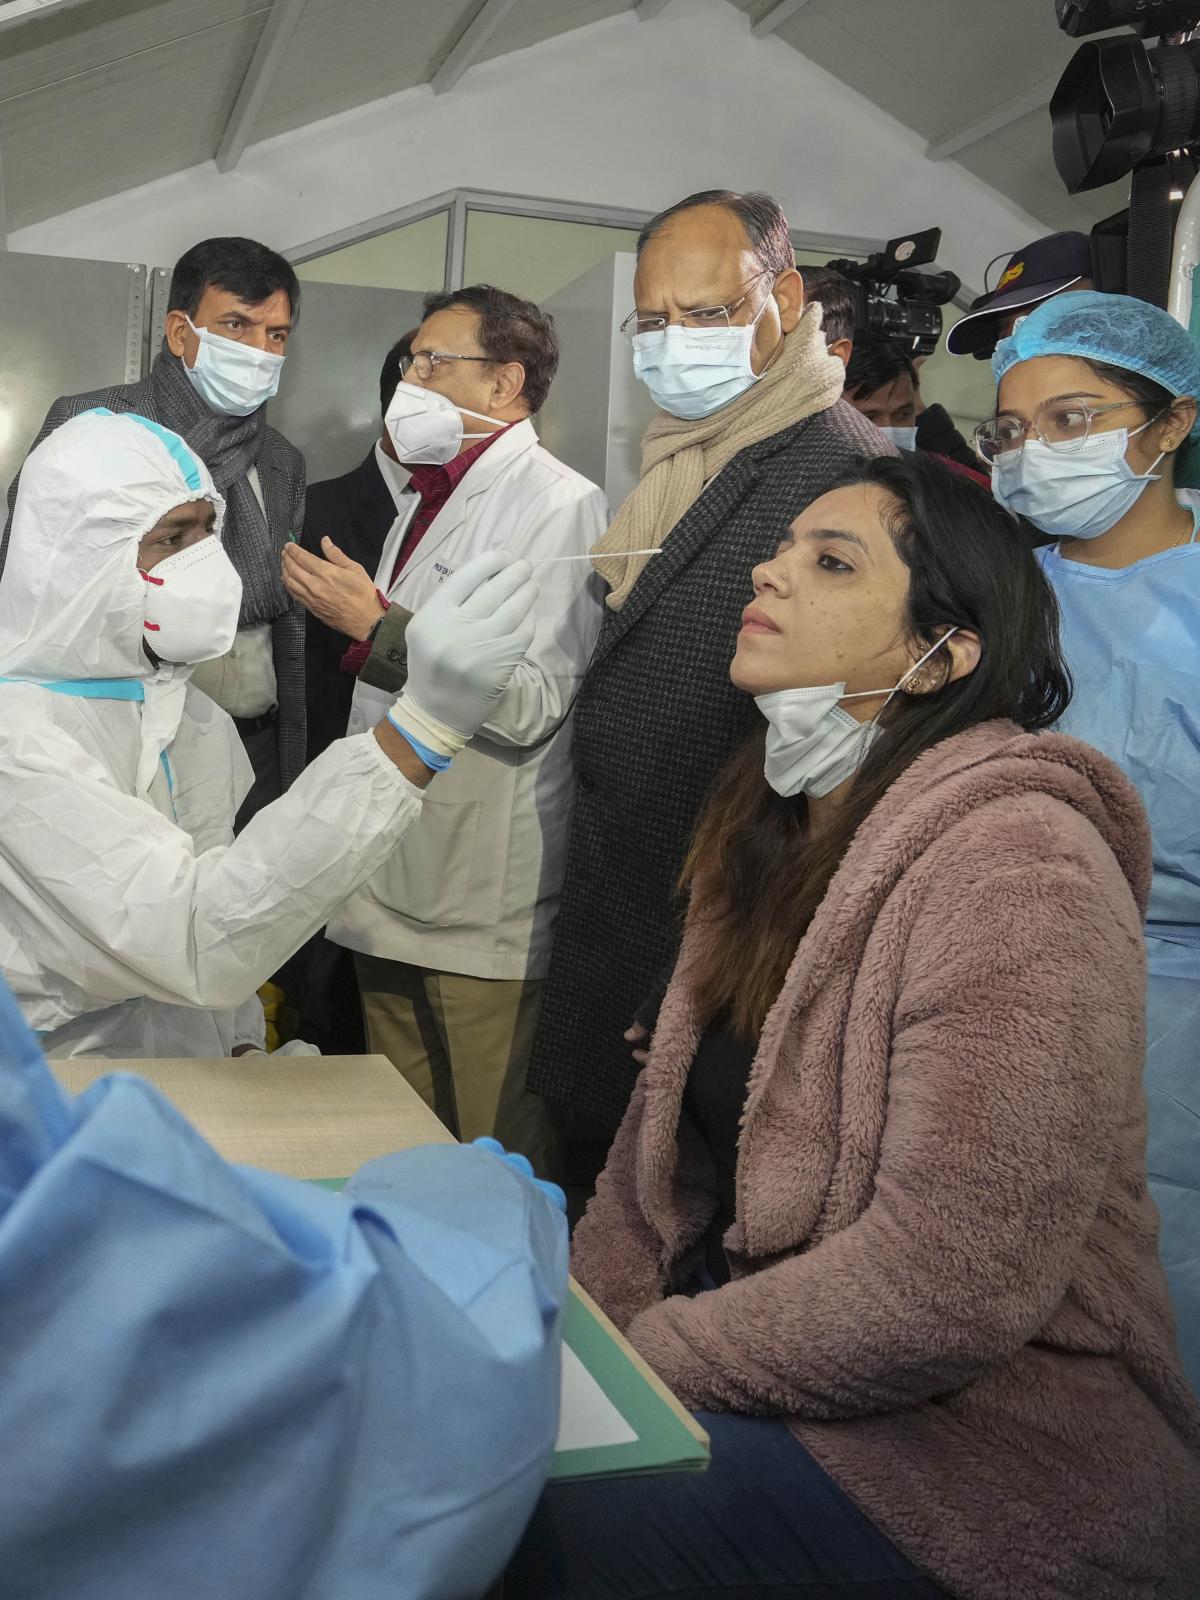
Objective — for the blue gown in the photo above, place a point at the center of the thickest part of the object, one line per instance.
(218, 1382)
(1132, 640)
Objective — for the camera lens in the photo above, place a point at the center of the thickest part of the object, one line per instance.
(1078, 17)
(1118, 104)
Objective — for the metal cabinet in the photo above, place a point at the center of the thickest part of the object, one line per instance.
(66, 326)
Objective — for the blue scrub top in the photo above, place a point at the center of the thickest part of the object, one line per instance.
(220, 1382)
(1131, 638)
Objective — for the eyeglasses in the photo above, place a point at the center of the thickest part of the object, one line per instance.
(1061, 424)
(426, 362)
(698, 317)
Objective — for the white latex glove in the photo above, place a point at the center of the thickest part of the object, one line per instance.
(463, 647)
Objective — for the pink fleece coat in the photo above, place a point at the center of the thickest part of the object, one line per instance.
(944, 1255)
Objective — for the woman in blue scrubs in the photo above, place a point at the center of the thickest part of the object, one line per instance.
(1097, 404)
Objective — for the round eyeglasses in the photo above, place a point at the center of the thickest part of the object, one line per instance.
(697, 317)
(1063, 425)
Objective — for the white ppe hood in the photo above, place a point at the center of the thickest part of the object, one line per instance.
(72, 603)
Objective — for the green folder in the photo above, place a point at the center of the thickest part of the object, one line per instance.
(664, 1441)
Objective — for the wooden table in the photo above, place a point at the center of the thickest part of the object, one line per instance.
(306, 1116)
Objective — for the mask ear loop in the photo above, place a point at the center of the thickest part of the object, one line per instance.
(466, 411)
(869, 694)
(917, 665)
(1162, 454)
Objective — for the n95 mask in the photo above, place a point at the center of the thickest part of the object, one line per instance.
(426, 428)
(232, 378)
(193, 601)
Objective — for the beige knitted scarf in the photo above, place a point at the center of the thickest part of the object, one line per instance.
(679, 457)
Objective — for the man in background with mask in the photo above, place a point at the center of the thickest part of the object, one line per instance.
(232, 306)
(881, 383)
(752, 428)
(452, 936)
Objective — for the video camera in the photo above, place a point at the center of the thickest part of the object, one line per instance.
(1126, 107)
(1121, 102)
(893, 299)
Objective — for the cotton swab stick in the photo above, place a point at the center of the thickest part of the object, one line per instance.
(546, 560)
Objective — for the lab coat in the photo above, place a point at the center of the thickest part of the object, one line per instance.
(131, 921)
(475, 887)
(220, 1384)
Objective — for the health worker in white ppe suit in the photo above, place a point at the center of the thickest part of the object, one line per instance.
(132, 923)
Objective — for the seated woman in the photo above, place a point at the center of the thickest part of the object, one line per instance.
(1097, 403)
(878, 1209)
(132, 923)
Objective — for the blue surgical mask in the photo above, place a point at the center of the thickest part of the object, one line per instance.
(812, 744)
(233, 379)
(692, 372)
(902, 438)
(1072, 494)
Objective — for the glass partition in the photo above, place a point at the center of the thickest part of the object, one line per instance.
(409, 257)
(534, 257)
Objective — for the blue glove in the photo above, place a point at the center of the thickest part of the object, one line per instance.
(522, 1165)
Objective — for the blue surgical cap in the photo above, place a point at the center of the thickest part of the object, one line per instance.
(1114, 328)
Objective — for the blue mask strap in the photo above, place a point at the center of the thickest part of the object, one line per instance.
(174, 445)
(90, 688)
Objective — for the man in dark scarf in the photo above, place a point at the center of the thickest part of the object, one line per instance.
(232, 306)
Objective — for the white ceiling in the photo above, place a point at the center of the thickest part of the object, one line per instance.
(940, 66)
(98, 96)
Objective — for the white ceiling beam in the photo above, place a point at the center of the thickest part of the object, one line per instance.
(14, 11)
(468, 47)
(1035, 99)
(778, 14)
(647, 9)
(272, 47)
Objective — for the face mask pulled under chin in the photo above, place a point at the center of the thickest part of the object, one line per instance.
(813, 745)
(193, 601)
(1075, 494)
(231, 378)
(426, 428)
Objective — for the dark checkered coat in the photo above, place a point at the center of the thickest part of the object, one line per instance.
(656, 719)
(281, 476)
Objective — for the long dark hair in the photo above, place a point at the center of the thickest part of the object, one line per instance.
(755, 873)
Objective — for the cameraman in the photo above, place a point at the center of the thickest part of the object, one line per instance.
(881, 382)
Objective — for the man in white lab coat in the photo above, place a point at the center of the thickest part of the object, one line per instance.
(452, 935)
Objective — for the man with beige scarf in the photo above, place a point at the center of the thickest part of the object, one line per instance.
(751, 428)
